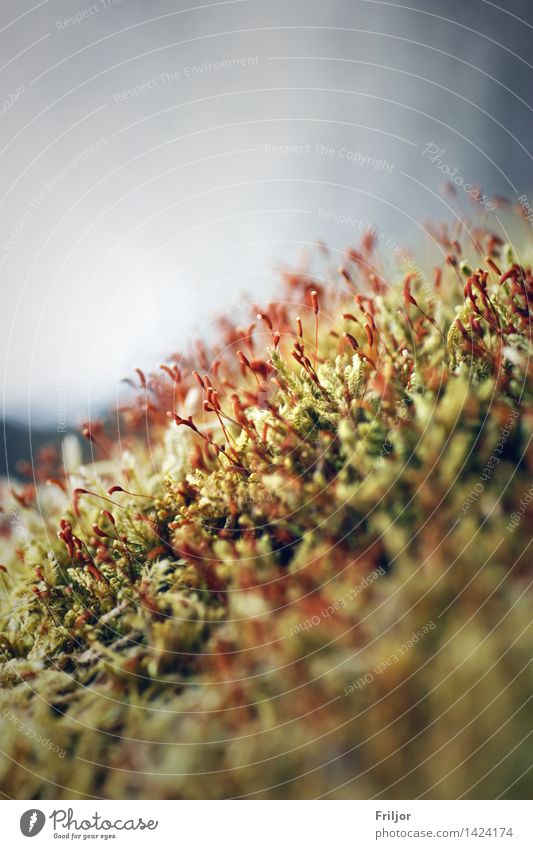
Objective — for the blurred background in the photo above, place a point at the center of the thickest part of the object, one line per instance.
(160, 160)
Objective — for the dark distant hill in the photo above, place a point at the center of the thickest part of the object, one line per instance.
(19, 441)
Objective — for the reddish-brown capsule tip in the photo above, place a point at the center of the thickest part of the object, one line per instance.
(142, 377)
(490, 262)
(263, 317)
(198, 379)
(56, 482)
(95, 572)
(343, 271)
(174, 372)
(353, 342)
(117, 488)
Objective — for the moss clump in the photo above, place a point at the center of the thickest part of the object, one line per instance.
(295, 574)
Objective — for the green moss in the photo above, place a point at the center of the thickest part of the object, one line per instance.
(241, 618)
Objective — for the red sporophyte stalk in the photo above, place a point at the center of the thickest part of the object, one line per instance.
(93, 570)
(343, 271)
(409, 300)
(211, 399)
(352, 340)
(142, 378)
(26, 497)
(180, 421)
(203, 358)
(199, 380)
(95, 433)
(207, 437)
(314, 303)
(56, 482)
(475, 349)
(462, 330)
(65, 535)
(121, 539)
(44, 596)
(77, 549)
(305, 362)
(478, 281)
(265, 318)
(354, 344)
(100, 533)
(212, 405)
(248, 337)
(173, 372)
(246, 364)
(475, 324)
(79, 491)
(490, 262)
(117, 488)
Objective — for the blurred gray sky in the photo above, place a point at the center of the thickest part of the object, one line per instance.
(159, 158)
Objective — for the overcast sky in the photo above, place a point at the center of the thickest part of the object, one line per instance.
(161, 158)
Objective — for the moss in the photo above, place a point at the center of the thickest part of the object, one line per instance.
(295, 574)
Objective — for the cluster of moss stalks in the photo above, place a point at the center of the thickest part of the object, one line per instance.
(303, 568)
